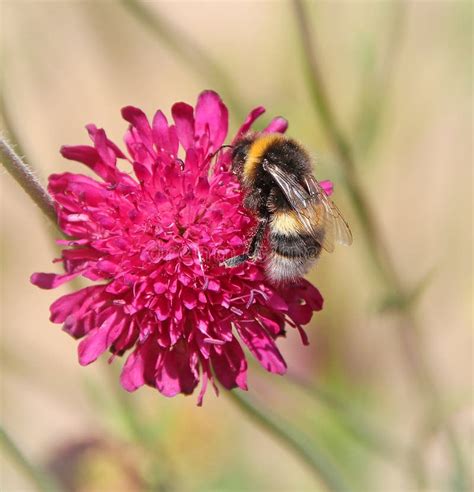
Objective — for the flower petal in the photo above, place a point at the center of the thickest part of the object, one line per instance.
(230, 365)
(90, 157)
(69, 304)
(51, 280)
(101, 143)
(211, 116)
(277, 125)
(262, 347)
(183, 116)
(139, 369)
(137, 118)
(327, 186)
(175, 373)
(99, 340)
(163, 135)
(252, 116)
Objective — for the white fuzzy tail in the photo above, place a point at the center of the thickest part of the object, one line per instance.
(281, 269)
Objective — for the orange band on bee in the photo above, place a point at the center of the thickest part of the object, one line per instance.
(256, 151)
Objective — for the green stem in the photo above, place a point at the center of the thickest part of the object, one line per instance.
(321, 102)
(161, 476)
(187, 49)
(409, 332)
(377, 83)
(359, 425)
(38, 477)
(25, 177)
(320, 466)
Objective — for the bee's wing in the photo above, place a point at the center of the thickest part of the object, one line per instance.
(336, 228)
(296, 195)
(315, 210)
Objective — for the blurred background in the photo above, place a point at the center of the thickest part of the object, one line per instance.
(398, 77)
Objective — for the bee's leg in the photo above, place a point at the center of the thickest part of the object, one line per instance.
(235, 261)
(257, 239)
(254, 247)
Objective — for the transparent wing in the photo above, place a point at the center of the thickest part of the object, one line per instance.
(316, 212)
(336, 228)
(297, 196)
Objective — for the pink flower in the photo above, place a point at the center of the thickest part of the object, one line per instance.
(151, 242)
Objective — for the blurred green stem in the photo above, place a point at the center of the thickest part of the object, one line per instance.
(321, 101)
(25, 177)
(409, 332)
(358, 424)
(188, 50)
(322, 468)
(377, 81)
(161, 477)
(42, 481)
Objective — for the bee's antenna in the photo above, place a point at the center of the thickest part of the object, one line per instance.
(220, 148)
(211, 156)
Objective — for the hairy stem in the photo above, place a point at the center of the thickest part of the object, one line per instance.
(25, 177)
(318, 463)
(8, 126)
(409, 331)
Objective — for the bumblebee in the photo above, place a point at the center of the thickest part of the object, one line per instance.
(275, 173)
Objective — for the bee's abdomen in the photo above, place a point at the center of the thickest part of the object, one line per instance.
(294, 245)
(292, 252)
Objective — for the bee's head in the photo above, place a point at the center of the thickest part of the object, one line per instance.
(240, 154)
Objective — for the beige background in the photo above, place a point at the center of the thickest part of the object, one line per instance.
(65, 64)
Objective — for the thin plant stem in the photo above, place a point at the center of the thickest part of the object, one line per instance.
(188, 50)
(377, 86)
(162, 478)
(16, 144)
(41, 480)
(358, 424)
(25, 177)
(321, 467)
(409, 331)
(320, 99)
(8, 126)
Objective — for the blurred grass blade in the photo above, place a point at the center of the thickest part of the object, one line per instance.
(160, 475)
(377, 79)
(375, 241)
(188, 50)
(409, 334)
(412, 297)
(356, 423)
(42, 481)
(324, 470)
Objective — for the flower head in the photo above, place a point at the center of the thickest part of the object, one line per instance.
(151, 242)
